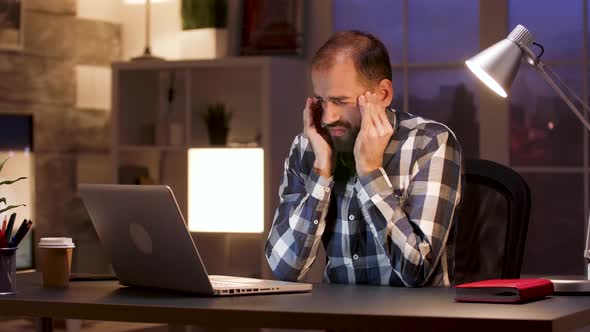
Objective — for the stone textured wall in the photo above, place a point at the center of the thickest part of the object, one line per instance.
(70, 144)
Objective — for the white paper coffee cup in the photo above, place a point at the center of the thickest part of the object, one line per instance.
(56, 260)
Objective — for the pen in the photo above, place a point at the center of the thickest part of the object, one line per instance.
(21, 228)
(27, 228)
(3, 243)
(4, 225)
(20, 234)
(10, 226)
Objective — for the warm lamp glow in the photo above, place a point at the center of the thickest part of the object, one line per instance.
(226, 190)
(486, 79)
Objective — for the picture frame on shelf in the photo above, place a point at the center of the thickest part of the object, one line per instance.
(273, 27)
(11, 24)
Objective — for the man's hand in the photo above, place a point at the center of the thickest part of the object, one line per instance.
(374, 135)
(324, 155)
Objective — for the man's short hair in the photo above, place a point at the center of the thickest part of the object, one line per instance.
(369, 55)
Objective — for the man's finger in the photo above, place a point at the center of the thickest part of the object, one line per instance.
(372, 123)
(381, 118)
(307, 116)
(371, 130)
(308, 102)
(369, 103)
(362, 103)
(363, 108)
(386, 123)
(377, 125)
(371, 111)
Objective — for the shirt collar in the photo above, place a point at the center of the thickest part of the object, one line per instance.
(392, 116)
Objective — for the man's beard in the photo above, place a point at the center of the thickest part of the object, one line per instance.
(344, 147)
(344, 143)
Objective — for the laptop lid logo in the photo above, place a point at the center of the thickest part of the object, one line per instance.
(141, 238)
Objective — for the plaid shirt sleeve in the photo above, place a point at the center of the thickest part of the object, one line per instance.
(299, 221)
(412, 230)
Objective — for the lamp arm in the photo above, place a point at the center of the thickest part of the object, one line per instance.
(540, 66)
(536, 62)
(569, 90)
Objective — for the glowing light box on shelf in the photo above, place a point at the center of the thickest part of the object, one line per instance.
(226, 190)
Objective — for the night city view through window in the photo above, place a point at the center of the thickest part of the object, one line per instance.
(547, 143)
(439, 86)
(547, 140)
(441, 36)
(544, 132)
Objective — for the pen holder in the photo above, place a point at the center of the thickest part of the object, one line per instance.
(7, 271)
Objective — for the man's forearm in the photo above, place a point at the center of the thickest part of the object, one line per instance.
(296, 233)
(414, 239)
(392, 229)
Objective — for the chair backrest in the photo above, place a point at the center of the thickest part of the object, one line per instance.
(492, 222)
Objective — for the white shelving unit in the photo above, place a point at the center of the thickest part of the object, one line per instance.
(152, 131)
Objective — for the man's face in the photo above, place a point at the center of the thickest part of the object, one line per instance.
(337, 89)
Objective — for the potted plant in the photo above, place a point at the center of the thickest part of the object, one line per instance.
(217, 121)
(5, 183)
(198, 14)
(204, 29)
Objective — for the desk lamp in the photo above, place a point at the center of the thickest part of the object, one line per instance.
(147, 51)
(496, 67)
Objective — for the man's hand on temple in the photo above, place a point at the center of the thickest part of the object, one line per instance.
(374, 135)
(324, 163)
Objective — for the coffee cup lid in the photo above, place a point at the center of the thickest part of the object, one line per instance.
(56, 242)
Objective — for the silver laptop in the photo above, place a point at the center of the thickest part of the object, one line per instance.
(146, 237)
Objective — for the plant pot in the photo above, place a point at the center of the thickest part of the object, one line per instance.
(218, 136)
(204, 29)
(206, 43)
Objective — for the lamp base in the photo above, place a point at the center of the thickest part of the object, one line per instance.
(571, 285)
(144, 57)
(147, 55)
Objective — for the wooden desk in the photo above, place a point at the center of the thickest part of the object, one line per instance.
(340, 307)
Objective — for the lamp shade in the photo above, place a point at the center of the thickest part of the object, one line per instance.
(497, 65)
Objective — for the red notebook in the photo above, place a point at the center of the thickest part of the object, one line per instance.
(504, 290)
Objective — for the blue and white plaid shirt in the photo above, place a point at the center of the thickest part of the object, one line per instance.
(394, 226)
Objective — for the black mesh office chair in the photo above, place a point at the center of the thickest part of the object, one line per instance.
(492, 223)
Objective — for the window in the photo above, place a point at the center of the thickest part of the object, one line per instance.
(427, 55)
(442, 31)
(547, 141)
(382, 18)
(429, 41)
